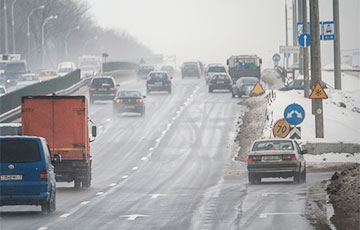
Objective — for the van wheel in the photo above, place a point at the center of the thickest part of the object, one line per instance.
(77, 183)
(86, 183)
(50, 205)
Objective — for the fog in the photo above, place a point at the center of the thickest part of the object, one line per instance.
(213, 30)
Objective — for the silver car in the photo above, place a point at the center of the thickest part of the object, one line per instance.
(276, 158)
(243, 86)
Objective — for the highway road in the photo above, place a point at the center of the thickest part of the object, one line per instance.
(166, 171)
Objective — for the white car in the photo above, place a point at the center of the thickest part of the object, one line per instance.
(212, 69)
(88, 70)
(26, 80)
(65, 67)
(2, 90)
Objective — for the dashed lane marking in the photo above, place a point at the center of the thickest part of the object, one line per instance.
(112, 184)
(84, 202)
(155, 196)
(42, 228)
(65, 215)
(144, 158)
(99, 193)
(133, 217)
(265, 215)
(124, 177)
(135, 168)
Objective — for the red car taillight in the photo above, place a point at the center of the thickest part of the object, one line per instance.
(118, 100)
(148, 77)
(113, 89)
(92, 89)
(253, 158)
(167, 76)
(43, 175)
(289, 157)
(207, 73)
(140, 100)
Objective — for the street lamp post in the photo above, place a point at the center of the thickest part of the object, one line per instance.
(13, 27)
(28, 27)
(66, 39)
(43, 37)
(6, 28)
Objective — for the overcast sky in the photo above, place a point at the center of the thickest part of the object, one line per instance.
(213, 30)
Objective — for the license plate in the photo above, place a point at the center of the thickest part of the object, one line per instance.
(220, 82)
(270, 158)
(129, 106)
(101, 89)
(11, 177)
(158, 83)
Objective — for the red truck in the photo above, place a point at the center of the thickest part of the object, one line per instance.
(63, 122)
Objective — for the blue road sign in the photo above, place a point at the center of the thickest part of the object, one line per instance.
(294, 114)
(301, 31)
(287, 55)
(276, 57)
(328, 30)
(304, 40)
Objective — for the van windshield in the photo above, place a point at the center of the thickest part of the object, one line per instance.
(19, 151)
(15, 68)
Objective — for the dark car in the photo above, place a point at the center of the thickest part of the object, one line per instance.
(129, 101)
(220, 81)
(27, 174)
(243, 86)
(13, 70)
(298, 85)
(102, 88)
(276, 158)
(169, 69)
(158, 81)
(143, 71)
(191, 69)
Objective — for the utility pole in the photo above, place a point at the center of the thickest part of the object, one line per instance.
(286, 35)
(294, 29)
(300, 19)
(337, 55)
(316, 65)
(305, 53)
(13, 27)
(6, 28)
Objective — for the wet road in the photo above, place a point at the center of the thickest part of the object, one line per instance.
(165, 171)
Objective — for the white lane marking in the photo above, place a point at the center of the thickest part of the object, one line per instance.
(133, 217)
(42, 228)
(99, 193)
(265, 215)
(126, 176)
(158, 140)
(144, 158)
(112, 184)
(155, 196)
(169, 125)
(177, 112)
(84, 202)
(274, 193)
(65, 215)
(164, 132)
(107, 120)
(135, 168)
(174, 118)
(151, 149)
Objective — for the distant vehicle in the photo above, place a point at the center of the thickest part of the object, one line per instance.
(276, 158)
(2, 67)
(129, 101)
(90, 60)
(27, 172)
(3, 90)
(64, 122)
(212, 69)
(102, 88)
(220, 81)
(45, 75)
(298, 85)
(13, 70)
(65, 67)
(244, 66)
(243, 86)
(169, 69)
(26, 80)
(191, 69)
(88, 70)
(158, 81)
(10, 129)
(143, 70)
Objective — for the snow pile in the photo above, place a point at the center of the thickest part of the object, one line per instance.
(326, 160)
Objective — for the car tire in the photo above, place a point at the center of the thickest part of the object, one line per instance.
(169, 91)
(86, 183)
(297, 177)
(77, 183)
(50, 205)
(303, 175)
(210, 90)
(232, 95)
(253, 179)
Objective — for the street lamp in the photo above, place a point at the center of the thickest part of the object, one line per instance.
(13, 27)
(43, 37)
(28, 27)
(6, 28)
(66, 39)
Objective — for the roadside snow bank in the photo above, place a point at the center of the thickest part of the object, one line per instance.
(327, 160)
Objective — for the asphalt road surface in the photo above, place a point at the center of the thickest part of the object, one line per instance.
(165, 171)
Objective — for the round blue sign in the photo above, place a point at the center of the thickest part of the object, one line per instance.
(294, 114)
(287, 55)
(304, 39)
(276, 57)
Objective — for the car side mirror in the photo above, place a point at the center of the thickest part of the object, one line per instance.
(118, 85)
(260, 61)
(56, 160)
(171, 77)
(93, 131)
(304, 151)
(19, 130)
(144, 96)
(227, 62)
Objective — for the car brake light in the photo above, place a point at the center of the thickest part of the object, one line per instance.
(289, 157)
(167, 76)
(43, 175)
(118, 100)
(140, 100)
(113, 89)
(207, 73)
(148, 77)
(254, 158)
(243, 86)
(92, 89)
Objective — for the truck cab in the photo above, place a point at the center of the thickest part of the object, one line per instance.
(244, 66)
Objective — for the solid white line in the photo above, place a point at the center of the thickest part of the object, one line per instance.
(65, 215)
(99, 193)
(135, 168)
(84, 202)
(112, 184)
(265, 215)
(126, 176)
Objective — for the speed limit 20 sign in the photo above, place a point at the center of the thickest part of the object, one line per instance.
(281, 128)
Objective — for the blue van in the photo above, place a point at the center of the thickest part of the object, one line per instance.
(27, 173)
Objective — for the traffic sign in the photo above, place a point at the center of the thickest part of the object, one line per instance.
(295, 132)
(276, 57)
(281, 128)
(328, 30)
(318, 92)
(304, 40)
(257, 90)
(294, 114)
(300, 28)
(289, 49)
(287, 55)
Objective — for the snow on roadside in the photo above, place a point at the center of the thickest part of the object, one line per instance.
(330, 159)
